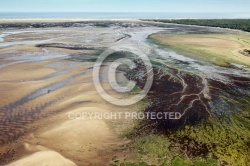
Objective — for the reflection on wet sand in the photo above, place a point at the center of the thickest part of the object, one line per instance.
(46, 73)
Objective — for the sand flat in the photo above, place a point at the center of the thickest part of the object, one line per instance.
(82, 140)
(44, 158)
(56, 137)
(44, 84)
(216, 48)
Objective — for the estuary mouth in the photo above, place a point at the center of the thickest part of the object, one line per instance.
(52, 70)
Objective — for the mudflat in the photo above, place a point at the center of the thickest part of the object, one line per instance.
(46, 75)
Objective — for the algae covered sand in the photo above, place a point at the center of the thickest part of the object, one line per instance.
(46, 72)
(219, 49)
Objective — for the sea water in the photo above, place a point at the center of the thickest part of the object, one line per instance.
(106, 15)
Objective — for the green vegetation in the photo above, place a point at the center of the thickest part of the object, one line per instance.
(136, 90)
(216, 141)
(223, 141)
(240, 24)
(220, 140)
(219, 49)
(154, 150)
(207, 144)
(177, 161)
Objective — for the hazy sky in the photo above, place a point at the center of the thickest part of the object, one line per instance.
(124, 6)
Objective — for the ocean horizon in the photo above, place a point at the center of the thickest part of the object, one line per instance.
(105, 15)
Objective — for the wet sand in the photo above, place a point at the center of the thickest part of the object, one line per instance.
(45, 75)
(40, 126)
(36, 129)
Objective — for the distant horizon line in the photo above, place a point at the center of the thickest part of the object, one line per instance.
(110, 12)
(127, 15)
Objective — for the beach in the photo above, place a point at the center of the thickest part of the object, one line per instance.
(46, 75)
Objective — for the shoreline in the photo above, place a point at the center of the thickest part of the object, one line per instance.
(56, 22)
(51, 89)
(61, 20)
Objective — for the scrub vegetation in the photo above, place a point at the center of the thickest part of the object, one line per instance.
(240, 24)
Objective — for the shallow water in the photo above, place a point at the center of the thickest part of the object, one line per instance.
(2, 37)
(174, 73)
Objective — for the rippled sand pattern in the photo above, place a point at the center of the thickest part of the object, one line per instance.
(46, 72)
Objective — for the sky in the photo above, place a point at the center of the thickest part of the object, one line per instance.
(210, 6)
